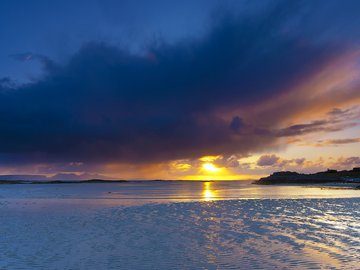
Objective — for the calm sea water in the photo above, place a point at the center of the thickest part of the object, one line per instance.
(142, 192)
(178, 225)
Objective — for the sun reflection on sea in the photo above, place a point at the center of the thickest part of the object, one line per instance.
(208, 194)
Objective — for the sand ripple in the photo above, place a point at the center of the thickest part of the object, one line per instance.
(243, 234)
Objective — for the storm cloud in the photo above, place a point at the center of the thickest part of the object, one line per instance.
(170, 101)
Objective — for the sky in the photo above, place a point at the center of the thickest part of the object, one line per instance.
(203, 89)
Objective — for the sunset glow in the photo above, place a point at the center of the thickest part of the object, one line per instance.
(206, 134)
(200, 104)
(209, 167)
(208, 193)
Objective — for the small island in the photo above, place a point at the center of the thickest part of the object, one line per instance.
(329, 176)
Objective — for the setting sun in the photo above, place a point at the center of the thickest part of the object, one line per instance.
(209, 167)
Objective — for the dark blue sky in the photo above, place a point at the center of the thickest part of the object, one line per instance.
(59, 28)
(139, 82)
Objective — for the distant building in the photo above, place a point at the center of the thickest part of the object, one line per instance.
(331, 171)
(356, 169)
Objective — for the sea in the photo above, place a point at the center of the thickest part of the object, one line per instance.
(178, 225)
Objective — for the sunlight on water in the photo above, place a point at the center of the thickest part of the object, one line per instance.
(233, 234)
(211, 225)
(138, 193)
(208, 193)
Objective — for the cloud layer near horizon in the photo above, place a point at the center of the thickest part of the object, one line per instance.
(239, 89)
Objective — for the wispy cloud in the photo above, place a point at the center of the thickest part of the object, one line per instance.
(336, 142)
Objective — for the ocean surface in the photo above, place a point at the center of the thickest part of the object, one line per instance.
(178, 225)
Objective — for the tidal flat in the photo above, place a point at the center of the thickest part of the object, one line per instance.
(178, 225)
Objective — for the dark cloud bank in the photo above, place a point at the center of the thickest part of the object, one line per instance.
(107, 104)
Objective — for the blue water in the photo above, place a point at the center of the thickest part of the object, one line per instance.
(142, 192)
(178, 225)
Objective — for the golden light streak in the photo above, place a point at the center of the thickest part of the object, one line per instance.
(209, 158)
(223, 176)
(208, 194)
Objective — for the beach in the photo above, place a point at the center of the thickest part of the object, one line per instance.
(94, 229)
(164, 135)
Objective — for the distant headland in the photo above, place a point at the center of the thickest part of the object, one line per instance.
(90, 181)
(329, 176)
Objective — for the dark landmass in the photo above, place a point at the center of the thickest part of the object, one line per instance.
(44, 182)
(329, 176)
(60, 181)
(56, 177)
